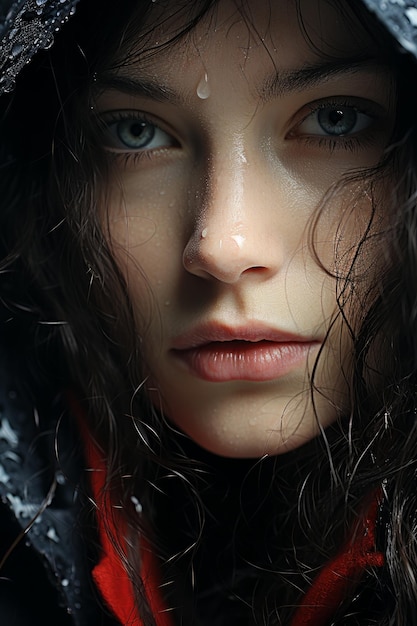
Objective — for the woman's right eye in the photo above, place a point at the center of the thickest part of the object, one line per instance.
(134, 134)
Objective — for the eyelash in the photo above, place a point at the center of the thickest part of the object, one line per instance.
(348, 142)
(131, 154)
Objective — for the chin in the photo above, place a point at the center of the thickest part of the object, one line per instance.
(250, 441)
(247, 421)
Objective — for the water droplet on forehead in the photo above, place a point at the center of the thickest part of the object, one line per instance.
(203, 88)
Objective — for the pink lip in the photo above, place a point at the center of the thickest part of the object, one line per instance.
(218, 353)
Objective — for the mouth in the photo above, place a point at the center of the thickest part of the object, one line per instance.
(222, 354)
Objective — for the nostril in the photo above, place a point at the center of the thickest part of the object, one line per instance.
(256, 269)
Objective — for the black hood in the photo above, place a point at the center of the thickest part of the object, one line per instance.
(400, 19)
(27, 26)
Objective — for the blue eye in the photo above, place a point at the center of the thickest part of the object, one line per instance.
(335, 121)
(135, 134)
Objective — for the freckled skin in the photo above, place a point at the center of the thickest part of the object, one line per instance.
(216, 215)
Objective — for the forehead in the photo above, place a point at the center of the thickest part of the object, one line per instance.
(288, 32)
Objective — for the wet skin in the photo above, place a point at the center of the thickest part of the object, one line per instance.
(223, 146)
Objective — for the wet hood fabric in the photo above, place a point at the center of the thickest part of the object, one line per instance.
(400, 18)
(27, 26)
(40, 509)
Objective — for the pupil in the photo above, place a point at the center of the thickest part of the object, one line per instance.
(135, 134)
(337, 121)
(336, 117)
(137, 129)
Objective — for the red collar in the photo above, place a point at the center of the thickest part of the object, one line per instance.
(341, 574)
(109, 574)
(318, 606)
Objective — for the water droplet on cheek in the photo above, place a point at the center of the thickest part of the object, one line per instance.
(203, 88)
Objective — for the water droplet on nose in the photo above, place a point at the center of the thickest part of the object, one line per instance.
(239, 240)
(203, 88)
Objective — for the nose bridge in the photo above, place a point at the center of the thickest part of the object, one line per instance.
(227, 238)
(226, 212)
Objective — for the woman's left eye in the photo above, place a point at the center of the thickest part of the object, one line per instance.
(333, 120)
(130, 134)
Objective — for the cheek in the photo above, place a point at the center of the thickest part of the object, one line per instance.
(345, 233)
(147, 228)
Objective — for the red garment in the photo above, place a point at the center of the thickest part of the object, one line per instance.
(341, 574)
(318, 606)
(109, 574)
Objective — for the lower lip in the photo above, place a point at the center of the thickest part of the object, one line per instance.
(243, 360)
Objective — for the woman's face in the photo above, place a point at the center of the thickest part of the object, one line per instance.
(223, 146)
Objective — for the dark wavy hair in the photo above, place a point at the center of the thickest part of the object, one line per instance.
(249, 536)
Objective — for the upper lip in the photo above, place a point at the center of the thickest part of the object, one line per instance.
(253, 332)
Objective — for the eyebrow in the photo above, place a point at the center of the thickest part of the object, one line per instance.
(309, 76)
(135, 86)
(276, 85)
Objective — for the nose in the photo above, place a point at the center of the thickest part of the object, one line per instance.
(232, 236)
